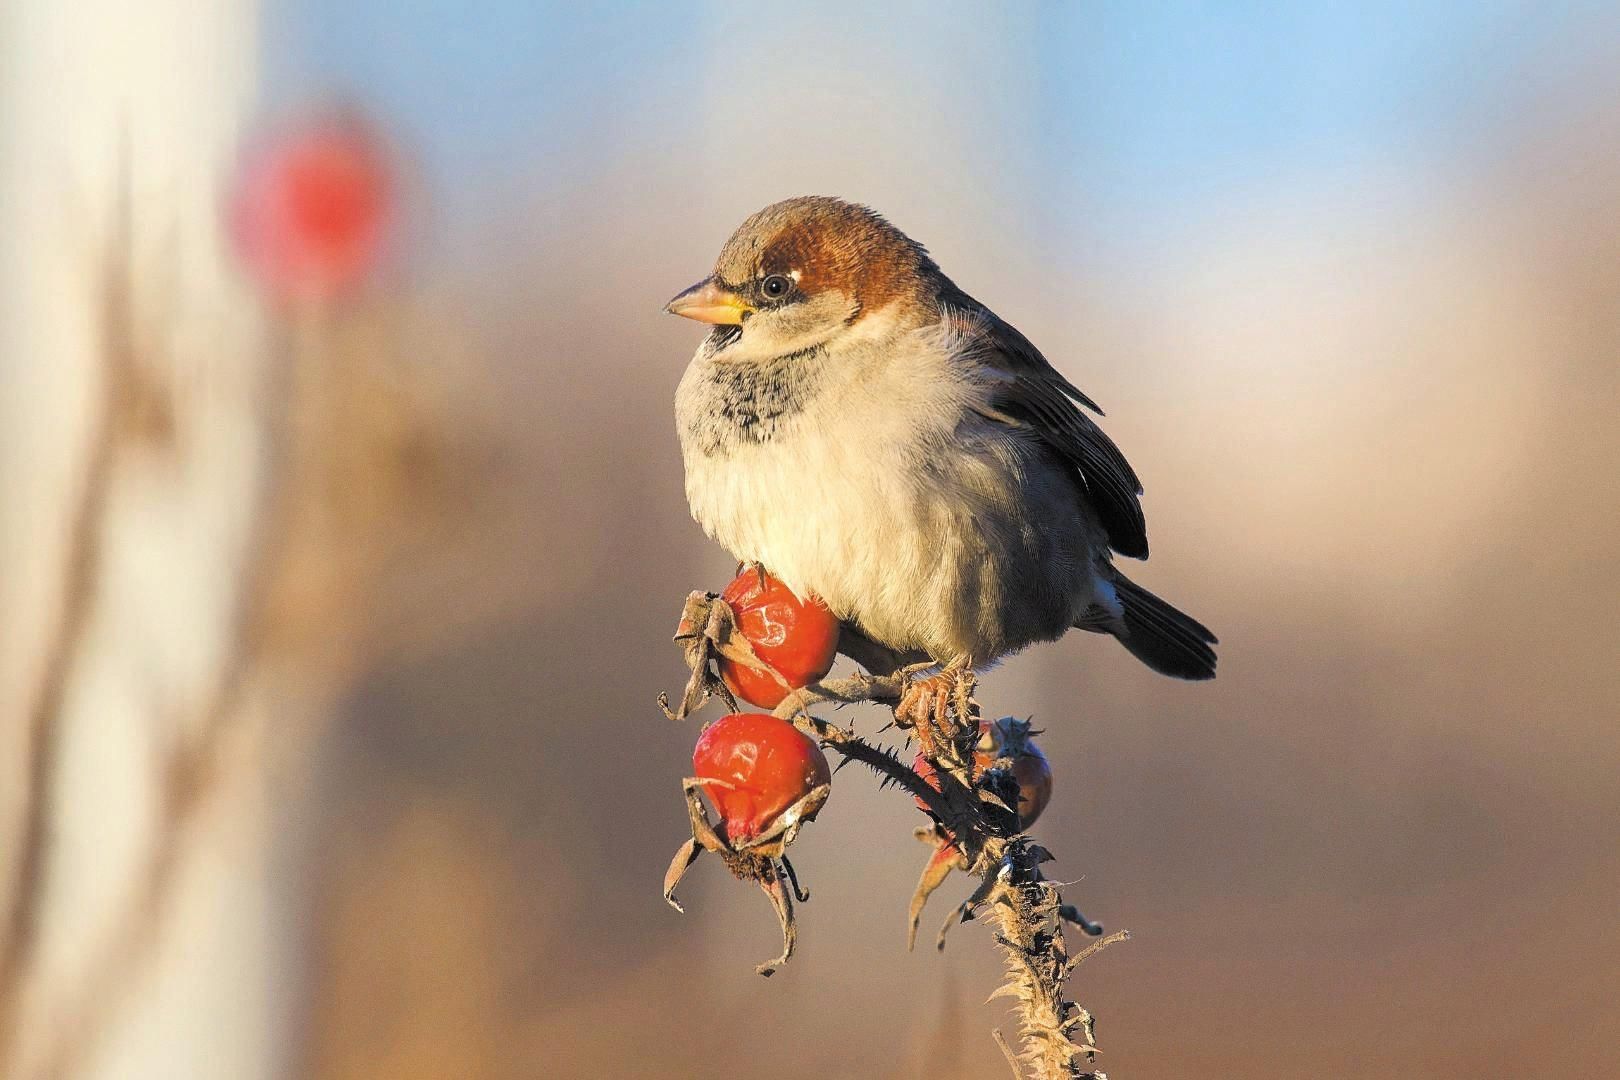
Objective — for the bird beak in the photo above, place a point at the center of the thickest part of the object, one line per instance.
(708, 301)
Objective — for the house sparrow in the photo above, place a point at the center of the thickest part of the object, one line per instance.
(878, 438)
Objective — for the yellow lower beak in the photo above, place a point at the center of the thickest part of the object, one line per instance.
(709, 302)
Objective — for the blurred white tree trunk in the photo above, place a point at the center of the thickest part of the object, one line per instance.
(136, 932)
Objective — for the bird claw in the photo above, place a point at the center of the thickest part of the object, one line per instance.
(927, 706)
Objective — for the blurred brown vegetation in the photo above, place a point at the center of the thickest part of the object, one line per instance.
(1379, 442)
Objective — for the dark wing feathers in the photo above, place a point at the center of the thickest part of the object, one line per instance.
(1023, 358)
(1034, 394)
(1109, 481)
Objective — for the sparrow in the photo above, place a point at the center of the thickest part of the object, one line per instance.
(878, 438)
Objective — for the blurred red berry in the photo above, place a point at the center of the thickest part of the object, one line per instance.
(1005, 737)
(311, 208)
(796, 638)
(763, 765)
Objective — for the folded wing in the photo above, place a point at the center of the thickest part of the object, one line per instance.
(1029, 393)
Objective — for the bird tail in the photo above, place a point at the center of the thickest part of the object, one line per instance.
(1169, 641)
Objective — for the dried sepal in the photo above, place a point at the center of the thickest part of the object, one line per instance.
(698, 816)
(707, 631)
(782, 903)
(801, 895)
(780, 833)
(761, 859)
(944, 859)
(704, 838)
(964, 911)
(986, 795)
(683, 860)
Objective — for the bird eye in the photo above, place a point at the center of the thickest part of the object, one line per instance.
(776, 286)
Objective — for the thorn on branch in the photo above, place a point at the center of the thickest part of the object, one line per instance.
(1007, 1052)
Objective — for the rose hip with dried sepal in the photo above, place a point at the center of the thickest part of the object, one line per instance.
(1004, 738)
(766, 779)
(1007, 737)
(796, 639)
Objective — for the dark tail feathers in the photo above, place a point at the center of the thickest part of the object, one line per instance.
(1166, 640)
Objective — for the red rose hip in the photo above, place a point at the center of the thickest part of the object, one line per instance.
(1010, 737)
(758, 767)
(797, 639)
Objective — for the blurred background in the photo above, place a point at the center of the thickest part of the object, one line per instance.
(1346, 279)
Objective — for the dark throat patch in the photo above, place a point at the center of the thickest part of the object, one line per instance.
(750, 401)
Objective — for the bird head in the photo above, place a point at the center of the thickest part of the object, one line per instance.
(800, 273)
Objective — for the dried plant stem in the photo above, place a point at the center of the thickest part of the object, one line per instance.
(977, 828)
(976, 824)
(1027, 909)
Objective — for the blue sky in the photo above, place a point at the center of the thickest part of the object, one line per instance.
(1147, 89)
(1125, 120)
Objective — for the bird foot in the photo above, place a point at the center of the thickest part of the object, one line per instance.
(939, 708)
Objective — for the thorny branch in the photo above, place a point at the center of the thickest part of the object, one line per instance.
(976, 830)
